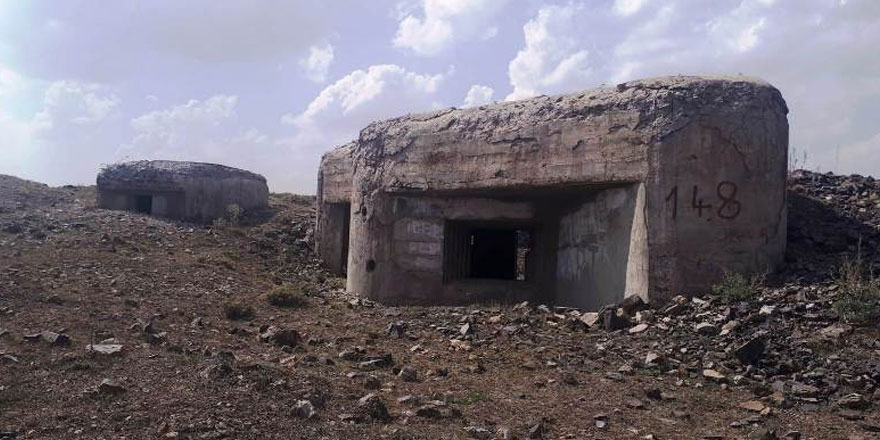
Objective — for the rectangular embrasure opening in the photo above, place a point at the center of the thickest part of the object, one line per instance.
(487, 250)
(143, 204)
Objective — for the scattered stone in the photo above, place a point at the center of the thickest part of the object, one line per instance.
(635, 404)
(853, 401)
(104, 349)
(835, 332)
(751, 352)
(52, 338)
(408, 374)
(714, 375)
(437, 410)
(397, 329)
(371, 406)
(728, 327)
(803, 390)
(351, 354)
(304, 409)
(767, 310)
(372, 383)
(601, 421)
(279, 336)
(654, 394)
(466, 329)
(752, 406)
(706, 329)
(537, 430)
(590, 319)
(110, 387)
(638, 328)
(458, 344)
(478, 432)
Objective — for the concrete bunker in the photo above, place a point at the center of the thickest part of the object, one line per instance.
(651, 188)
(190, 191)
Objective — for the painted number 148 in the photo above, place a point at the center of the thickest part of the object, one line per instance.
(727, 207)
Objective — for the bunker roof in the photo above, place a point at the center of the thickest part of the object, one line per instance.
(160, 170)
(653, 98)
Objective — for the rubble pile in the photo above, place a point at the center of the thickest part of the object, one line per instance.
(112, 325)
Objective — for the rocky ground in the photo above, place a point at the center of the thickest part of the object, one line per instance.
(115, 325)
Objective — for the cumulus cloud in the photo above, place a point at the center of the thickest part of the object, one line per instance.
(9, 81)
(814, 53)
(740, 29)
(69, 133)
(338, 112)
(443, 22)
(196, 130)
(120, 38)
(552, 60)
(628, 7)
(317, 62)
(478, 95)
(78, 103)
(383, 90)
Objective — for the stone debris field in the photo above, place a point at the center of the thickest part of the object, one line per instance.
(117, 325)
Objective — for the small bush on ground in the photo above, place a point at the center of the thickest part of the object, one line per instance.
(737, 287)
(859, 291)
(237, 310)
(288, 295)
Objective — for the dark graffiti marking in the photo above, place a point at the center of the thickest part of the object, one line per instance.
(731, 207)
(698, 205)
(728, 209)
(673, 195)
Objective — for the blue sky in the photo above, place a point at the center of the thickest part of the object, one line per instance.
(270, 86)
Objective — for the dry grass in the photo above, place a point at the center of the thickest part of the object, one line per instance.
(288, 295)
(859, 291)
(237, 310)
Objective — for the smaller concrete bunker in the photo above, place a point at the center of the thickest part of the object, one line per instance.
(652, 188)
(190, 191)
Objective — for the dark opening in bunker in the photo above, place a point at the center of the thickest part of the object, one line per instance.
(491, 250)
(143, 204)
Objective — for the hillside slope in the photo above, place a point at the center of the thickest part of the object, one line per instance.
(167, 362)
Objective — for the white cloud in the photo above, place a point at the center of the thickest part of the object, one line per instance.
(70, 132)
(363, 95)
(478, 95)
(740, 28)
(10, 81)
(317, 62)
(69, 101)
(339, 111)
(628, 7)
(197, 130)
(444, 22)
(552, 59)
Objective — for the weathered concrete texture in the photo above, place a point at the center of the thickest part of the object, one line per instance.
(334, 205)
(651, 188)
(191, 191)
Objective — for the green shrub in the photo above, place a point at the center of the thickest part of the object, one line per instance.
(237, 310)
(737, 287)
(288, 295)
(859, 290)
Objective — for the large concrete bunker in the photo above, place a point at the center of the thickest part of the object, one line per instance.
(652, 188)
(191, 191)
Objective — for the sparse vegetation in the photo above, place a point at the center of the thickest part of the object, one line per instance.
(231, 219)
(736, 287)
(288, 295)
(237, 310)
(859, 291)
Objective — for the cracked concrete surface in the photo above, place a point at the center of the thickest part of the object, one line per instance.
(702, 160)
